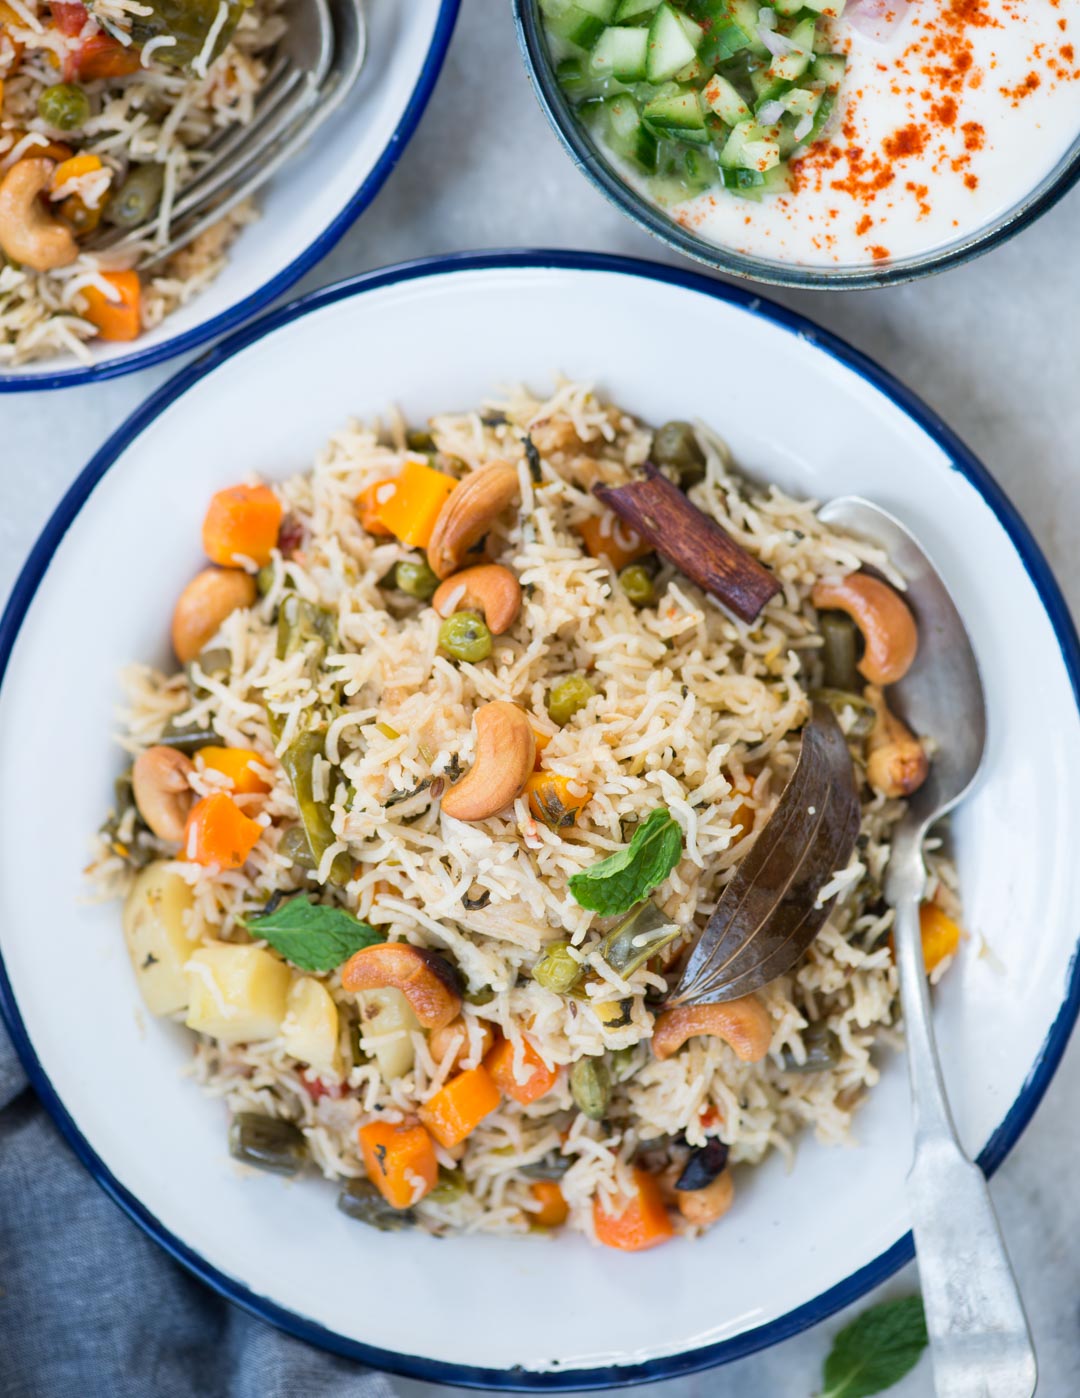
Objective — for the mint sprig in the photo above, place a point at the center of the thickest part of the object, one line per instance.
(876, 1350)
(615, 884)
(313, 936)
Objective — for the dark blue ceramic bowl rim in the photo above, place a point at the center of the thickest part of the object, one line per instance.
(288, 276)
(962, 460)
(592, 163)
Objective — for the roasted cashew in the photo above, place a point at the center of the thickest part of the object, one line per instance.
(28, 232)
(204, 604)
(505, 755)
(742, 1023)
(468, 514)
(455, 1035)
(428, 982)
(704, 1206)
(896, 763)
(883, 617)
(489, 589)
(162, 790)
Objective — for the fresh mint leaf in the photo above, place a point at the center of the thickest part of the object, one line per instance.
(615, 884)
(313, 936)
(876, 1350)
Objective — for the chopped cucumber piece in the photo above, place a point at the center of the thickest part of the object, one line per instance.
(829, 69)
(751, 147)
(722, 36)
(767, 86)
(626, 133)
(801, 102)
(680, 117)
(620, 53)
(634, 9)
(774, 181)
(691, 29)
(669, 47)
(694, 72)
(579, 84)
(825, 109)
(832, 9)
(579, 22)
(788, 8)
(725, 101)
(683, 174)
(747, 15)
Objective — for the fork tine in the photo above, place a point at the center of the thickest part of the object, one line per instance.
(275, 137)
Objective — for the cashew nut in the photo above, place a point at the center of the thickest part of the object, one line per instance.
(163, 792)
(468, 514)
(742, 1023)
(489, 589)
(455, 1035)
(883, 617)
(505, 754)
(428, 982)
(704, 1206)
(28, 232)
(896, 763)
(204, 604)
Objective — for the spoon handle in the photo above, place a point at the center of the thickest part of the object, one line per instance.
(979, 1337)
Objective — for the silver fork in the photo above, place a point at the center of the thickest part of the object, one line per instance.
(324, 49)
(979, 1337)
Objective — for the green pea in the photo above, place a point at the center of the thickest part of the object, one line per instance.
(676, 446)
(415, 578)
(557, 970)
(590, 1087)
(636, 581)
(566, 697)
(420, 441)
(137, 199)
(465, 637)
(64, 106)
(483, 996)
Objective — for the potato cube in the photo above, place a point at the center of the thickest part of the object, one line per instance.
(310, 1030)
(155, 919)
(237, 993)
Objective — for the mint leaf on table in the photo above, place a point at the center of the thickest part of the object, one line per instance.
(615, 884)
(313, 936)
(876, 1350)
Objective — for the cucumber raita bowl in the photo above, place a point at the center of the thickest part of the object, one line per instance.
(856, 139)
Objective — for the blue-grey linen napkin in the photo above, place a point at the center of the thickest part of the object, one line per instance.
(91, 1308)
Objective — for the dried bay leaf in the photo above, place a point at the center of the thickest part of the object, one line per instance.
(769, 914)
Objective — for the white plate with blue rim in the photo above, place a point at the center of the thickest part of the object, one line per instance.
(522, 1313)
(307, 206)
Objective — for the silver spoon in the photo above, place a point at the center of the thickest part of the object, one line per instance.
(979, 1336)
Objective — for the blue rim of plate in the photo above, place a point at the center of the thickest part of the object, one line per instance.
(299, 267)
(603, 176)
(1042, 1070)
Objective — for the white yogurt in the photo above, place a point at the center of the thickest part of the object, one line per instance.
(945, 126)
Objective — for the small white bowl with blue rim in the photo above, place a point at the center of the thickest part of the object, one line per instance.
(306, 207)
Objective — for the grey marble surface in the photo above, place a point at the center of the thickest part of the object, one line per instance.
(994, 347)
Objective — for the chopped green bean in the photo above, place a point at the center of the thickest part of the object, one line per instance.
(590, 1087)
(190, 23)
(315, 816)
(822, 1051)
(361, 1200)
(267, 1142)
(637, 938)
(136, 200)
(839, 650)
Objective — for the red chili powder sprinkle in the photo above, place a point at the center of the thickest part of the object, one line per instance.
(879, 254)
(864, 225)
(1024, 89)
